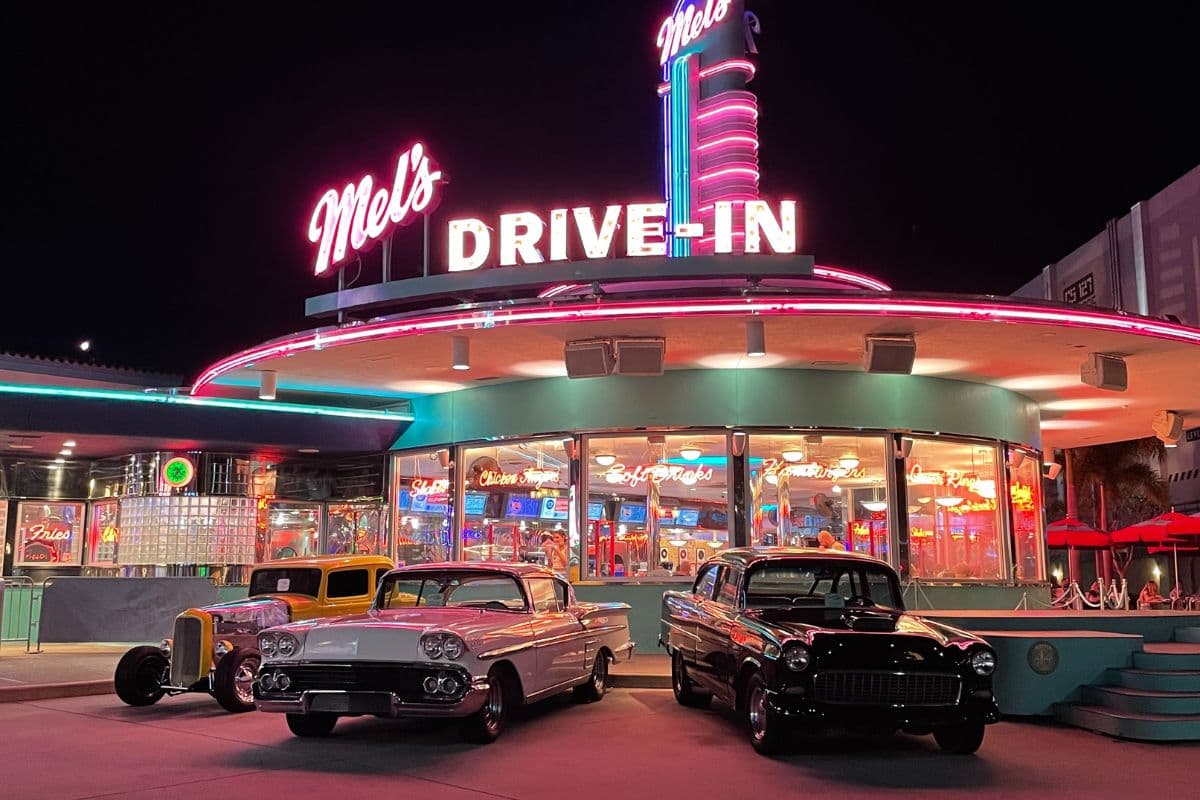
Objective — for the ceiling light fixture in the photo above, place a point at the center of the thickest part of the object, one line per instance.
(848, 462)
(793, 455)
(66, 451)
(605, 459)
(924, 500)
(948, 502)
(60, 461)
(837, 489)
(875, 505)
(460, 353)
(772, 479)
(690, 452)
(756, 339)
(69, 443)
(268, 381)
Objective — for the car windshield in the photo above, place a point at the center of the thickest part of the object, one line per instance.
(291, 580)
(449, 589)
(810, 582)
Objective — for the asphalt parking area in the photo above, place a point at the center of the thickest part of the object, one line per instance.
(635, 743)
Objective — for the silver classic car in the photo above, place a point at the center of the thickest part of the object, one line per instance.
(444, 640)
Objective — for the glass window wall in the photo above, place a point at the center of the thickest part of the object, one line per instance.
(1025, 497)
(518, 503)
(804, 485)
(657, 503)
(954, 523)
(422, 507)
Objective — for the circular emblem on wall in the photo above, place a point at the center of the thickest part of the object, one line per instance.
(178, 472)
(1043, 658)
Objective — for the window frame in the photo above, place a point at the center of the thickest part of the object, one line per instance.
(730, 574)
(530, 581)
(366, 572)
(716, 568)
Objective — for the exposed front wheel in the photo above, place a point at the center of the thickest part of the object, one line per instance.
(766, 729)
(486, 724)
(233, 680)
(597, 684)
(962, 739)
(307, 725)
(140, 676)
(685, 691)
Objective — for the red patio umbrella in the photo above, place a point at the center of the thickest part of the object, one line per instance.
(1071, 534)
(1165, 529)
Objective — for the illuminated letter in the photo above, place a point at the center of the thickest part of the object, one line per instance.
(513, 243)
(332, 220)
(459, 228)
(781, 234)
(377, 214)
(639, 229)
(723, 220)
(558, 234)
(597, 244)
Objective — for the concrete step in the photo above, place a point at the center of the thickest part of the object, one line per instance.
(1122, 698)
(1131, 724)
(1156, 680)
(1168, 656)
(1189, 635)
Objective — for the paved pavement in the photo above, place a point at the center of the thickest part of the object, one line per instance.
(635, 743)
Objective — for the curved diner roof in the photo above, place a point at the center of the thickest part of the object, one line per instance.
(1035, 349)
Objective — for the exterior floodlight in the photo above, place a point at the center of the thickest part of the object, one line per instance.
(756, 339)
(460, 353)
(267, 382)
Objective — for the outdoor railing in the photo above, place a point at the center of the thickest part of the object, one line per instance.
(18, 596)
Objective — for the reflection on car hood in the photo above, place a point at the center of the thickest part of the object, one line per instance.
(805, 623)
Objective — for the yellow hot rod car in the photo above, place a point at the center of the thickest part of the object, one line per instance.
(214, 648)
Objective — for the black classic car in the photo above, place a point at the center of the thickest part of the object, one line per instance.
(801, 640)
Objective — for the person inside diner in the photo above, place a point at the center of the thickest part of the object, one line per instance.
(1149, 597)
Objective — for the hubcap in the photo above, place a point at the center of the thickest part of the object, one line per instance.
(677, 677)
(243, 681)
(150, 679)
(600, 674)
(758, 712)
(493, 707)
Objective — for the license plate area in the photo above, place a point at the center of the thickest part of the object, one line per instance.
(357, 703)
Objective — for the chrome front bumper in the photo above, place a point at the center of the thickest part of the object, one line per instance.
(350, 702)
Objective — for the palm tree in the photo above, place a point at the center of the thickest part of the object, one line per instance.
(1119, 484)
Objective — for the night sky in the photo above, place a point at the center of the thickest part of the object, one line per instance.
(161, 163)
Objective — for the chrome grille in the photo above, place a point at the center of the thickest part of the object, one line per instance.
(403, 680)
(185, 652)
(878, 688)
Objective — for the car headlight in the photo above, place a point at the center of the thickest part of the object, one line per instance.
(983, 662)
(796, 658)
(287, 645)
(268, 644)
(164, 647)
(443, 645)
(222, 648)
(453, 647)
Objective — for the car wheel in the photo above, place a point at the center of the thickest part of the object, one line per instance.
(685, 691)
(764, 724)
(486, 724)
(140, 676)
(307, 725)
(233, 681)
(597, 684)
(962, 739)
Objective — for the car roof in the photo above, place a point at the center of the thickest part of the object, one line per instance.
(516, 569)
(327, 562)
(745, 556)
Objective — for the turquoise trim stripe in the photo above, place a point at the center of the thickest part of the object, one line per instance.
(681, 154)
(270, 406)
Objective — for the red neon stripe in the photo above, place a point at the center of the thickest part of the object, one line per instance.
(725, 66)
(847, 276)
(844, 306)
(750, 171)
(731, 108)
(739, 138)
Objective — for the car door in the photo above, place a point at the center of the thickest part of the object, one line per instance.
(714, 625)
(682, 611)
(348, 591)
(558, 636)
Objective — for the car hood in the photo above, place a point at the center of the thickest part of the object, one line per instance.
(806, 623)
(395, 635)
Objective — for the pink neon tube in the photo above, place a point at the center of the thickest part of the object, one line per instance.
(726, 66)
(590, 312)
(750, 172)
(728, 108)
(732, 139)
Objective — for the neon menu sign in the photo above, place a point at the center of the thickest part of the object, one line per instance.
(781, 469)
(423, 487)
(360, 214)
(619, 474)
(531, 476)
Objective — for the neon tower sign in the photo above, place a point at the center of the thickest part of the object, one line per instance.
(710, 120)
